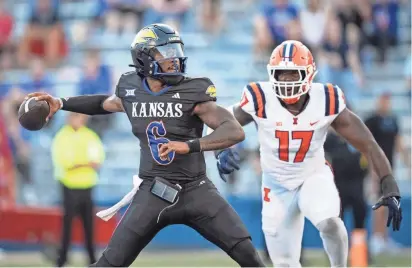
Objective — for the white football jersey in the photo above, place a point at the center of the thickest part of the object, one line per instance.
(291, 147)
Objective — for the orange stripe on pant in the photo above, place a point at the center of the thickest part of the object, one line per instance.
(258, 98)
(331, 99)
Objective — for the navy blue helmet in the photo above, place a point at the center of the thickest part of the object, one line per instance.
(158, 52)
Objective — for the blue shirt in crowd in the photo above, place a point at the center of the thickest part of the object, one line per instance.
(277, 18)
(101, 84)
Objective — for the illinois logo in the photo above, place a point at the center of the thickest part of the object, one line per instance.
(144, 36)
(244, 100)
(211, 91)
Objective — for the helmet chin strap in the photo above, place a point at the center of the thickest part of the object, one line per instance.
(291, 101)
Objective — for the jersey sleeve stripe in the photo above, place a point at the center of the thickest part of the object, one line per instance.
(335, 90)
(258, 99)
(327, 100)
(331, 100)
(255, 103)
(263, 100)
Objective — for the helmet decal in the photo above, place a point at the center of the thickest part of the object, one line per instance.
(144, 36)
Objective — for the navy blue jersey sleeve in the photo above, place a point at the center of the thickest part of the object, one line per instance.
(200, 89)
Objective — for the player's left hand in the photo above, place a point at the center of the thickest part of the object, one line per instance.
(395, 211)
(173, 146)
(227, 161)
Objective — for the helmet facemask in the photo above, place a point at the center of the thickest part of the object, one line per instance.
(296, 84)
(168, 63)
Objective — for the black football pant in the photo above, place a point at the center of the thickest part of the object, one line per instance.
(352, 196)
(200, 206)
(77, 203)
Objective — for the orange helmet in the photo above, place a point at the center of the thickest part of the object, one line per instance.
(291, 55)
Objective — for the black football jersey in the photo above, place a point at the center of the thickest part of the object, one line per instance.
(159, 117)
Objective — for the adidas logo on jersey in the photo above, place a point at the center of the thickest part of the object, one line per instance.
(176, 96)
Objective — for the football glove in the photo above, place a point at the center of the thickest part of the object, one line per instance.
(395, 211)
(227, 161)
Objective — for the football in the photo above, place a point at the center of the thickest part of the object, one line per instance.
(32, 114)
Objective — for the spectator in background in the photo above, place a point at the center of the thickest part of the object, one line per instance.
(352, 12)
(271, 24)
(313, 24)
(294, 31)
(38, 80)
(385, 26)
(6, 27)
(385, 129)
(339, 62)
(211, 17)
(97, 79)
(44, 36)
(171, 12)
(120, 16)
(19, 140)
(4, 86)
(77, 153)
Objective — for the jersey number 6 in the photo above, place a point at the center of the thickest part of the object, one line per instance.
(155, 137)
(283, 136)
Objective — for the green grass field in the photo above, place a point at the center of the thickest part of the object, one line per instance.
(190, 259)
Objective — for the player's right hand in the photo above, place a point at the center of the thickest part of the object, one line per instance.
(227, 161)
(54, 103)
(395, 211)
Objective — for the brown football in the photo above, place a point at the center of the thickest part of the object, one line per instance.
(32, 114)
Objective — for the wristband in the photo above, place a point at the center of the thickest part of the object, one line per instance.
(194, 146)
(389, 186)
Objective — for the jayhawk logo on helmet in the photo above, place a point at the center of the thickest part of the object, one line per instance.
(144, 36)
(291, 55)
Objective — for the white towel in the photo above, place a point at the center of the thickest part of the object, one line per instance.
(107, 214)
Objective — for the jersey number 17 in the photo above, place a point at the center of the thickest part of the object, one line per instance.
(284, 139)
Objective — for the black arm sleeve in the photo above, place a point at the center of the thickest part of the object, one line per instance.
(86, 104)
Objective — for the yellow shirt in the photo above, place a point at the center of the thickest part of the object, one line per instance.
(71, 148)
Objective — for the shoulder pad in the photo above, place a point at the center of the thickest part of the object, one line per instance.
(127, 84)
(201, 89)
(199, 83)
(258, 98)
(334, 99)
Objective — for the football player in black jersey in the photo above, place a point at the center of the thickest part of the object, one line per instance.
(167, 111)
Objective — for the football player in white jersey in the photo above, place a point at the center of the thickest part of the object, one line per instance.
(293, 115)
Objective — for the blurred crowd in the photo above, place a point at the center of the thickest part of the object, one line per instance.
(45, 37)
(339, 33)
